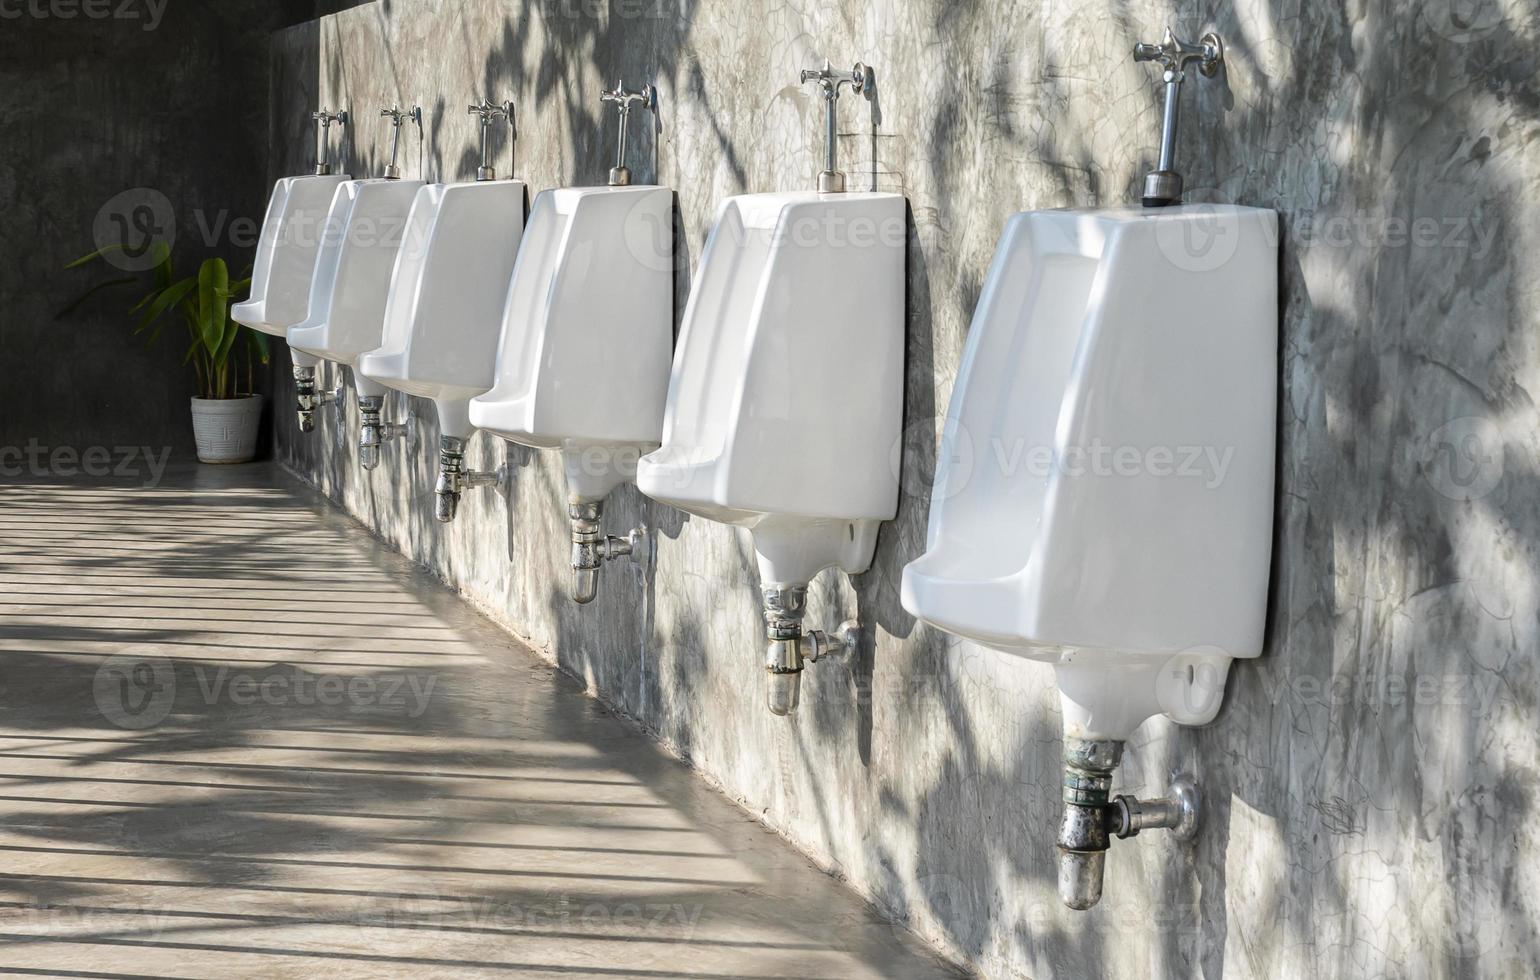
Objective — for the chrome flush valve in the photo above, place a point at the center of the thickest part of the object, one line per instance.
(324, 120)
(860, 79)
(1092, 817)
(454, 479)
(396, 114)
(591, 547)
(789, 649)
(309, 399)
(373, 431)
(1163, 186)
(490, 114)
(647, 98)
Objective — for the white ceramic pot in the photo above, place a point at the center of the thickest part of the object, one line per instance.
(226, 428)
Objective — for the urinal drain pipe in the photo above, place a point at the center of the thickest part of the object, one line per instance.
(307, 399)
(454, 479)
(784, 606)
(789, 649)
(1083, 832)
(372, 431)
(1092, 816)
(591, 547)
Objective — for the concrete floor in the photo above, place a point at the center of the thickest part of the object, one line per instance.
(240, 737)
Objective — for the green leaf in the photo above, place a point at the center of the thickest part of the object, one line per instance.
(75, 303)
(232, 331)
(213, 311)
(257, 341)
(162, 253)
(99, 253)
(148, 299)
(163, 301)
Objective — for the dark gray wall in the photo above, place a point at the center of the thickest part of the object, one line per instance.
(173, 100)
(1373, 780)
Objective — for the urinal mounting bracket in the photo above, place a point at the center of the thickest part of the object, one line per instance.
(862, 80)
(324, 120)
(397, 116)
(308, 399)
(373, 431)
(627, 99)
(491, 113)
(1163, 185)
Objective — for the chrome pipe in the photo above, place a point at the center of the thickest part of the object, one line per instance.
(1168, 120)
(591, 547)
(324, 120)
(861, 79)
(308, 399)
(489, 114)
(454, 479)
(783, 608)
(1178, 812)
(788, 649)
(1163, 185)
(626, 99)
(1084, 830)
(372, 431)
(397, 115)
(1092, 816)
(831, 137)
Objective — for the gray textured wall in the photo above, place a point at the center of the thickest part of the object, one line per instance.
(166, 97)
(1372, 780)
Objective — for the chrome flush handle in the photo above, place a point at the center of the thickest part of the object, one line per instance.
(861, 79)
(1163, 185)
(324, 120)
(393, 172)
(645, 97)
(490, 114)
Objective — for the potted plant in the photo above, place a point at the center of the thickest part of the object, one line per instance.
(225, 416)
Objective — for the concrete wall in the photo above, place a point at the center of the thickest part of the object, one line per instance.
(1372, 780)
(110, 109)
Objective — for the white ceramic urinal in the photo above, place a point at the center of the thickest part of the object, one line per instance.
(444, 313)
(293, 231)
(587, 339)
(1103, 496)
(1104, 488)
(1104, 491)
(349, 292)
(786, 399)
(287, 249)
(444, 309)
(346, 313)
